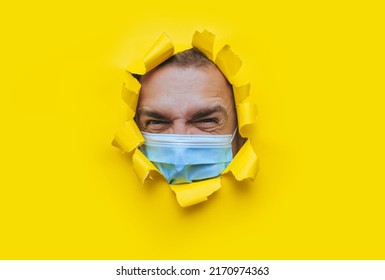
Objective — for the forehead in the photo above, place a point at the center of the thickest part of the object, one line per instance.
(176, 86)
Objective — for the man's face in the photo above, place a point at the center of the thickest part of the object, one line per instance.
(189, 100)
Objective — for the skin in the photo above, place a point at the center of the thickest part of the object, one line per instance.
(193, 100)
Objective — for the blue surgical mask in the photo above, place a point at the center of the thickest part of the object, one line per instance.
(185, 158)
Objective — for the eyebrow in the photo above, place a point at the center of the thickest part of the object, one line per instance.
(151, 114)
(209, 111)
(201, 114)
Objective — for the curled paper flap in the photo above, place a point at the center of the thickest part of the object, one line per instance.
(247, 118)
(130, 93)
(241, 93)
(204, 41)
(228, 62)
(137, 67)
(128, 137)
(193, 193)
(159, 52)
(245, 163)
(143, 168)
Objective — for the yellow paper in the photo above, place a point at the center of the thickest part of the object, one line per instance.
(204, 41)
(241, 93)
(193, 193)
(142, 166)
(245, 163)
(137, 67)
(130, 93)
(228, 62)
(317, 77)
(160, 51)
(128, 137)
(247, 118)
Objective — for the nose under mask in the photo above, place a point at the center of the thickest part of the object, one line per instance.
(185, 158)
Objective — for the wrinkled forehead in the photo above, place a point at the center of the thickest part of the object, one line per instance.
(172, 80)
(203, 68)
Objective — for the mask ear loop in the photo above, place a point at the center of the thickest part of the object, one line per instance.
(235, 132)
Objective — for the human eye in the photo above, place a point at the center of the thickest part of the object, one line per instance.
(207, 124)
(155, 122)
(156, 125)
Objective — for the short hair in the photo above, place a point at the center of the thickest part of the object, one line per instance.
(185, 59)
(189, 58)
